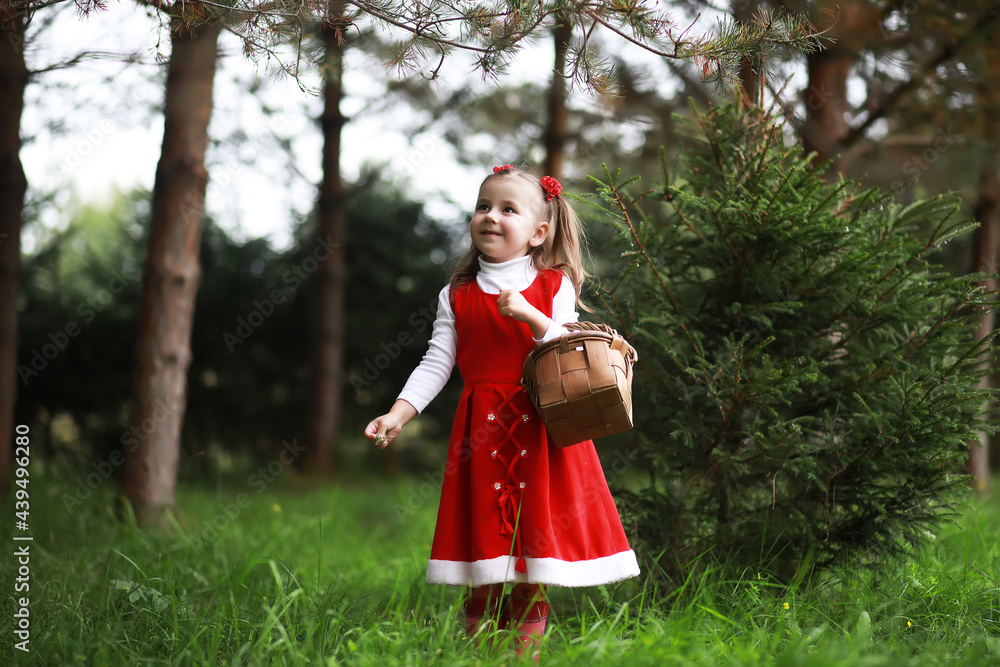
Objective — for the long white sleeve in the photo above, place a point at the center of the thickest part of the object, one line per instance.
(563, 311)
(432, 373)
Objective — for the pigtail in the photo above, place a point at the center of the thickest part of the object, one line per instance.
(564, 247)
(465, 270)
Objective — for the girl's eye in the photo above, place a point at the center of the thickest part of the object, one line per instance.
(482, 207)
(509, 209)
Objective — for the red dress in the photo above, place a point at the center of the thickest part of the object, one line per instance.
(515, 508)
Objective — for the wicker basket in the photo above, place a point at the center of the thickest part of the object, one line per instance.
(581, 383)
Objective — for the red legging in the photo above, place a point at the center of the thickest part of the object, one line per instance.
(484, 600)
(534, 592)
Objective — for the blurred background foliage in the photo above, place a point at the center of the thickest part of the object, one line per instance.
(248, 380)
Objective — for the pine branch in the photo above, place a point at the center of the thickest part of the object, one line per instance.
(495, 30)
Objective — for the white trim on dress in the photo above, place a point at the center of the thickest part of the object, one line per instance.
(594, 572)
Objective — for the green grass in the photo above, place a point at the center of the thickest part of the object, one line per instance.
(336, 577)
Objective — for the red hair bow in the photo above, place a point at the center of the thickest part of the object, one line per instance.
(552, 188)
(503, 167)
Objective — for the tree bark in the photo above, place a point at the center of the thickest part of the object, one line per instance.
(984, 257)
(325, 407)
(13, 79)
(825, 129)
(556, 131)
(750, 76)
(825, 99)
(151, 446)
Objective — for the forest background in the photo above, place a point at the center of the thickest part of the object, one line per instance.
(273, 352)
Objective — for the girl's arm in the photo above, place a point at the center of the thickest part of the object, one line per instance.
(563, 310)
(426, 380)
(432, 373)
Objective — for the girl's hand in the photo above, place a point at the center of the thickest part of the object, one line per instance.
(383, 430)
(512, 303)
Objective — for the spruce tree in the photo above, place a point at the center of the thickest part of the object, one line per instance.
(806, 391)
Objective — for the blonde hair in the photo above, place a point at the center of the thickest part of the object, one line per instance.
(562, 248)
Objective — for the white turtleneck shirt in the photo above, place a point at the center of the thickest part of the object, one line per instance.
(433, 371)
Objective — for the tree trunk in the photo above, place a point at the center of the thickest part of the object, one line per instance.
(13, 79)
(325, 407)
(555, 133)
(826, 103)
(170, 280)
(825, 126)
(985, 252)
(750, 72)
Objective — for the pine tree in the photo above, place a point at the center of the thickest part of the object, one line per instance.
(172, 270)
(807, 385)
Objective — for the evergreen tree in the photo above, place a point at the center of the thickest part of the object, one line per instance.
(807, 386)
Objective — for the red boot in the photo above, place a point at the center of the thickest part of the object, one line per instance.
(484, 611)
(528, 614)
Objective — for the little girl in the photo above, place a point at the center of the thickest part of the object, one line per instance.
(514, 508)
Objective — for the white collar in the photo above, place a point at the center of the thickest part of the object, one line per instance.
(516, 273)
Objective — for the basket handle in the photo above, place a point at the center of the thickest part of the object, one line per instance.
(590, 326)
(631, 355)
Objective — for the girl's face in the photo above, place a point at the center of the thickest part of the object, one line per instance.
(507, 222)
